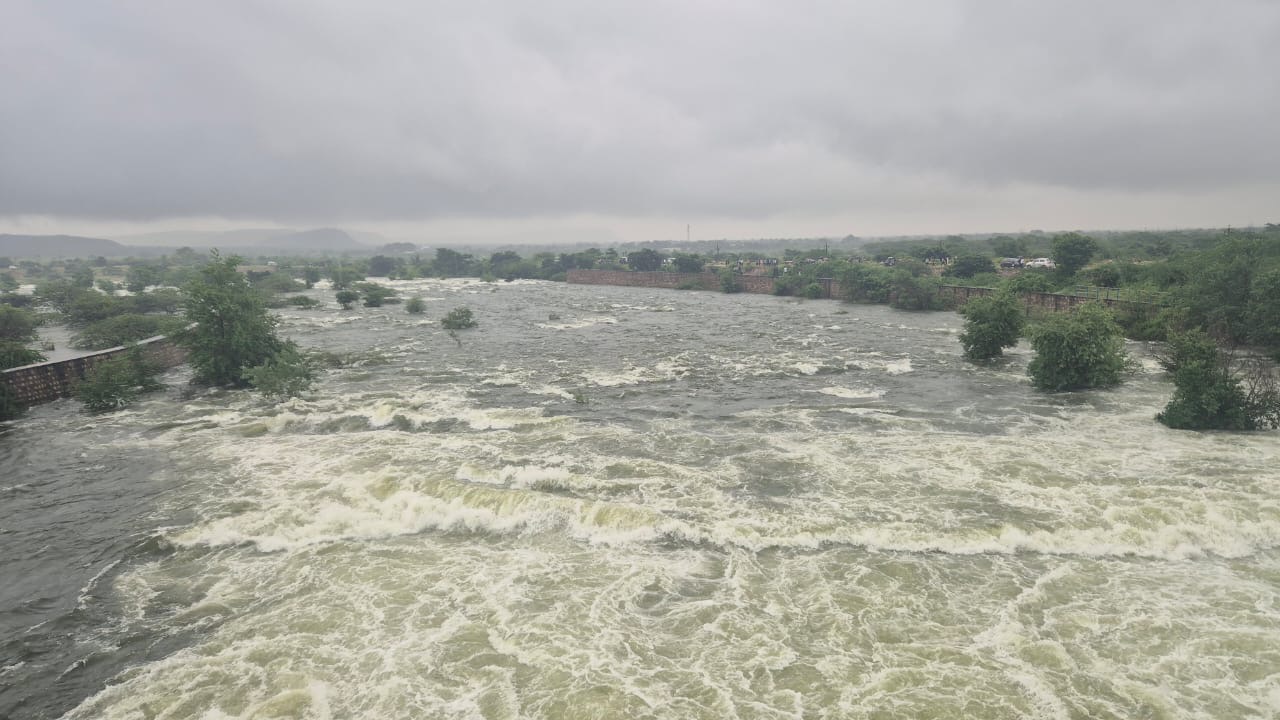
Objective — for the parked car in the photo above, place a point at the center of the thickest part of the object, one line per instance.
(1042, 263)
(1011, 262)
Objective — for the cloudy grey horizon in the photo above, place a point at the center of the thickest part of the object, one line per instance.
(582, 121)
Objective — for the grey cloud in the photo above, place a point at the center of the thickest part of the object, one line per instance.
(397, 111)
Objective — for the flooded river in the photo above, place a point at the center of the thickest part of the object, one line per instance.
(628, 503)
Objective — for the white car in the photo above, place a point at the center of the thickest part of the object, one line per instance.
(1042, 263)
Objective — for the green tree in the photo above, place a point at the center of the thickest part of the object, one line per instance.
(645, 260)
(459, 318)
(1072, 251)
(14, 354)
(233, 329)
(865, 284)
(966, 266)
(374, 294)
(729, 282)
(1082, 350)
(687, 263)
(123, 329)
(139, 277)
(914, 292)
(1219, 291)
(991, 324)
(1217, 389)
(1006, 246)
(17, 325)
(82, 277)
(451, 263)
(347, 298)
(1264, 311)
(415, 306)
(382, 266)
(8, 283)
(286, 374)
(117, 382)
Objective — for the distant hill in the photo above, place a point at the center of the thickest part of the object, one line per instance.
(248, 237)
(257, 239)
(322, 239)
(59, 246)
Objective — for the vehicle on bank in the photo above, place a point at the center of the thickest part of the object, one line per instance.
(1042, 263)
(1011, 262)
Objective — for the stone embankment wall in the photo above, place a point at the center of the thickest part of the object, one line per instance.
(953, 295)
(43, 382)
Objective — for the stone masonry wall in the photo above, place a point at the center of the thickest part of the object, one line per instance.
(43, 382)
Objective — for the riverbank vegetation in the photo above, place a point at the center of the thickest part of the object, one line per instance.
(1224, 285)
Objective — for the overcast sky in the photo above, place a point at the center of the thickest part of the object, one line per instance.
(600, 121)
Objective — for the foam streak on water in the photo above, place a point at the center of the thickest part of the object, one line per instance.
(622, 503)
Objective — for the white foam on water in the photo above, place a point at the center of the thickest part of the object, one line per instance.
(777, 561)
(580, 323)
(852, 393)
(898, 367)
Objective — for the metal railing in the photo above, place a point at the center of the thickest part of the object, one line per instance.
(1094, 292)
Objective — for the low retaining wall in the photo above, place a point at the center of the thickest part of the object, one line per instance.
(43, 382)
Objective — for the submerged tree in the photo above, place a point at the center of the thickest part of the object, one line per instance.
(116, 383)
(1078, 351)
(233, 331)
(991, 324)
(459, 318)
(1216, 390)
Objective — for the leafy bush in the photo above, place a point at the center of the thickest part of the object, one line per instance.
(1028, 282)
(911, 292)
(812, 291)
(285, 374)
(303, 301)
(966, 266)
(16, 354)
(1078, 351)
(729, 281)
(17, 325)
(347, 298)
(786, 285)
(10, 408)
(125, 329)
(415, 306)
(117, 382)
(374, 294)
(458, 319)
(991, 324)
(275, 282)
(865, 284)
(1210, 395)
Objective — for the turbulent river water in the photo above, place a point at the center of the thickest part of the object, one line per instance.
(628, 503)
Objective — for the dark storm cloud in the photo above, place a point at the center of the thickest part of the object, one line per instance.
(394, 111)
